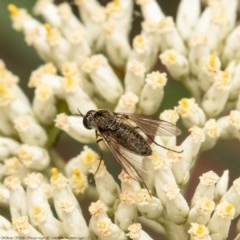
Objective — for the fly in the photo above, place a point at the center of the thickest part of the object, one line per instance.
(126, 133)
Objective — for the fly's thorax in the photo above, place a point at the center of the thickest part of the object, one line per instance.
(106, 120)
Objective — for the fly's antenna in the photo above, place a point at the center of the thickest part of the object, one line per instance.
(81, 115)
(78, 114)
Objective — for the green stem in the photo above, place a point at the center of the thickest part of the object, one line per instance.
(57, 160)
(174, 231)
(192, 86)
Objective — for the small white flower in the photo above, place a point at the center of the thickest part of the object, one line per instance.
(98, 212)
(8, 147)
(176, 64)
(212, 132)
(46, 76)
(220, 221)
(94, 24)
(180, 166)
(214, 23)
(86, 160)
(35, 195)
(60, 48)
(128, 184)
(74, 127)
(191, 113)
(33, 157)
(222, 186)
(136, 232)
(127, 103)
(151, 10)
(233, 195)
(152, 93)
(216, 96)
(230, 125)
(86, 8)
(22, 21)
(144, 49)
(6, 127)
(106, 186)
(30, 132)
(17, 107)
(162, 174)
(16, 191)
(49, 11)
(73, 30)
(226, 127)
(24, 228)
(206, 187)
(196, 137)
(103, 76)
(74, 94)
(78, 181)
(186, 20)
(61, 190)
(74, 77)
(234, 122)
(201, 211)
(13, 166)
(120, 13)
(169, 36)
(126, 212)
(97, 208)
(149, 206)
(231, 51)
(210, 68)
(176, 206)
(169, 115)
(4, 195)
(198, 52)
(73, 222)
(44, 104)
(234, 69)
(45, 221)
(199, 232)
(109, 230)
(134, 77)
(117, 44)
(4, 223)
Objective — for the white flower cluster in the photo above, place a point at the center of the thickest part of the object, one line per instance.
(92, 64)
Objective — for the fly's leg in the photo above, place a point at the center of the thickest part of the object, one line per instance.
(99, 139)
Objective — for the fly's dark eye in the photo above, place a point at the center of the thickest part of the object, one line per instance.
(86, 122)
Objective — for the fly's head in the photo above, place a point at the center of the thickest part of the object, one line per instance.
(89, 120)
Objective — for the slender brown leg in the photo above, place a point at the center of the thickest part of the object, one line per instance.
(99, 139)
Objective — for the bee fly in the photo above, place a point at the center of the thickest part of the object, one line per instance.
(125, 133)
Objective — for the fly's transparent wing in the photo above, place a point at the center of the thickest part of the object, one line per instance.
(126, 159)
(151, 127)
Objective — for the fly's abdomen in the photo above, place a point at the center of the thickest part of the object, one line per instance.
(130, 139)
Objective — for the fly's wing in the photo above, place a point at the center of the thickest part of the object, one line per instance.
(126, 159)
(151, 127)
